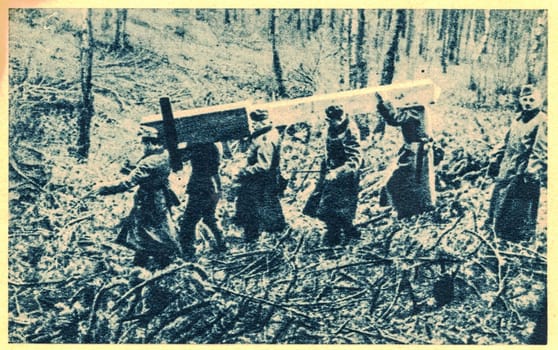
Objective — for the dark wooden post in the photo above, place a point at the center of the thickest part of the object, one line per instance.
(169, 129)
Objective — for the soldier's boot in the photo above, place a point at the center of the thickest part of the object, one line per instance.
(251, 232)
(186, 237)
(351, 233)
(332, 235)
(220, 245)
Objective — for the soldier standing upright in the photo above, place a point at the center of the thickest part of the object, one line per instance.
(410, 187)
(204, 188)
(257, 207)
(335, 199)
(520, 164)
(148, 229)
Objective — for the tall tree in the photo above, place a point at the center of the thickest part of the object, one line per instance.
(454, 35)
(227, 17)
(86, 110)
(388, 69)
(298, 19)
(332, 18)
(277, 70)
(410, 32)
(120, 36)
(344, 48)
(477, 82)
(536, 61)
(377, 41)
(317, 19)
(444, 37)
(469, 34)
(361, 63)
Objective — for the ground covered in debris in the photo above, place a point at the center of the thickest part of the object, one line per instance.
(437, 278)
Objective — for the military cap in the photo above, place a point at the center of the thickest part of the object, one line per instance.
(334, 112)
(259, 115)
(147, 132)
(527, 90)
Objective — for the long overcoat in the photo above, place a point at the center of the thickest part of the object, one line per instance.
(521, 157)
(149, 227)
(258, 195)
(410, 183)
(338, 198)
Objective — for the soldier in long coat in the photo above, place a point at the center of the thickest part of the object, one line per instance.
(258, 207)
(410, 186)
(335, 199)
(204, 188)
(521, 165)
(148, 229)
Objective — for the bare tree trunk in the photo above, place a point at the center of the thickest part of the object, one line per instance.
(536, 67)
(453, 36)
(514, 35)
(86, 110)
(478, 79)
(332, 19)
(413, 42)
(120, 37)
(430, 27)
(298, 19)
(377, 36)
(117, 44)
(410, 32)
(105, 24)
(469, 35)
(281, 90)
(317, 19)
(227, 18)
(444, 37)
(361, 63)
(351, 30)
(344, 37)
(308, 21)
(443, 24)
(388, 70)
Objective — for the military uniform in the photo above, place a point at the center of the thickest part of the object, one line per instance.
(148, 229)
(335, 198)
(258, 207)
(522, 163)
(410, 184)
(204, 187)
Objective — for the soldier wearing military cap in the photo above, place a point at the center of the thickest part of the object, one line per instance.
(257, 207)
(204, 189)
(520, 165)
(148, 229)
(409, 185)
(335, 198)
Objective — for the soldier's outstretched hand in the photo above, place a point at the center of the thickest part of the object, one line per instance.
(379, 98)
(97, 189)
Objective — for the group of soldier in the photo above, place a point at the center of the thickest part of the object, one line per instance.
(519, 166)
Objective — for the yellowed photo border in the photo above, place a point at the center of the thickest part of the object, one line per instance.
(551, 6)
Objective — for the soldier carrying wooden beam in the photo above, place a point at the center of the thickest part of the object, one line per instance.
(204, 190)
(335, 198)
(410, 184)
(148, 229)
(258, 208)
(231, 121)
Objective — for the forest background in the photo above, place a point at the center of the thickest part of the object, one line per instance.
(66, 282)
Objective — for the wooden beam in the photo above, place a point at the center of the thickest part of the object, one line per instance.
(208, 124)
(361, 101)
(230, 121)
(169, 132)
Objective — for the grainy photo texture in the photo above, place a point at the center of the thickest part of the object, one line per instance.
(277, 176)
